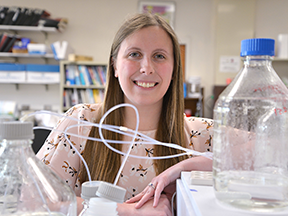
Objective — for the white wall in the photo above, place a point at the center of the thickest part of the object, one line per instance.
(270, 21)
(93, 23)
(91, 28)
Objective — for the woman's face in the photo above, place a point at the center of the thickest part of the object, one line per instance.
(144, 66)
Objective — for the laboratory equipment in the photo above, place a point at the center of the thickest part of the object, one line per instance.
(105, 204)
(88, 191)
(27, 185)
(250, 134)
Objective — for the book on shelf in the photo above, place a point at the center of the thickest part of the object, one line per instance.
(96, 75)
(3, 11)
(101, 70)
(7, 41)
(75, 99)
(84, 75)
(92, 75)
(77, 75)
(72, 97)
(22, 16)
(10, 44)
(59, 23)
(90, 80)
(98, 69)
(70, 75)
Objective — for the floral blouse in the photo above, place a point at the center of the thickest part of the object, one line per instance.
(57, 153)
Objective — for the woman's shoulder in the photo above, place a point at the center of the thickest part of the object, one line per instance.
(83, 112)
(198, 123)
(84, 108)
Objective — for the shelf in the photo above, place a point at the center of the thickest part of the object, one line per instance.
(25, 55)
(30, 83)
(75, 94)
(83, 86)
(28, 28)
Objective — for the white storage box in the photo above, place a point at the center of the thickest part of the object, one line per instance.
(47, 74)
(12, 73)
(40, 49)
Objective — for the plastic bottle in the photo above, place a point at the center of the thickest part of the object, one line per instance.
(105, 204)
(88, 191)
(250, 140)
(27, 186)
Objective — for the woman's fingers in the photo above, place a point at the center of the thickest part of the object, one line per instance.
(137, 197)
(148, 195)
(157, 195)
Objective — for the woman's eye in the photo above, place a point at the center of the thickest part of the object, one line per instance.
(134, 54)
(160, 56)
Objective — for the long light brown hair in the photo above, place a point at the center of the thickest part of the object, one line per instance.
(104, 163)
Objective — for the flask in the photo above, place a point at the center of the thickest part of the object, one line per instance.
(250, 142)
(88, 191)
(27, 185)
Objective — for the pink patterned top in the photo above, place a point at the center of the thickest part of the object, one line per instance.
(137, 173)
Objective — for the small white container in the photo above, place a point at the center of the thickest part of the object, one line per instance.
(194, 87)
(40, 49)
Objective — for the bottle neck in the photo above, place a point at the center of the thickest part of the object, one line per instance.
(261, 60)
(15, 143)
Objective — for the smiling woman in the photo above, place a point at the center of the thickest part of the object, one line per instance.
(144, 67)
(144, 70)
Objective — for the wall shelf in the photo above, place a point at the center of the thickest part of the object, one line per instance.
(25, 55)
(28, 28)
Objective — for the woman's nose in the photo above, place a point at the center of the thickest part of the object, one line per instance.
(147, 66)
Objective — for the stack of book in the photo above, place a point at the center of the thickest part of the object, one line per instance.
(91, 76)
(85, 75)
(7, 41)
(73, 96)
(22, 16)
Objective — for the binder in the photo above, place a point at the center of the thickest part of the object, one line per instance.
(10, 44)
(3, 13)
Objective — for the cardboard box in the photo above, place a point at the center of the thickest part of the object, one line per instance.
(12, 73)
(37, 73)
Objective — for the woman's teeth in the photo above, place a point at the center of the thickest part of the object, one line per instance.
(145, 85)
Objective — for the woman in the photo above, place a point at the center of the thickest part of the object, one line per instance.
(145, 71)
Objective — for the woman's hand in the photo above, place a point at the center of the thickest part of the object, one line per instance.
(163, 208)
(166, 181)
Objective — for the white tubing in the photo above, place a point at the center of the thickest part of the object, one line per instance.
(117, 129)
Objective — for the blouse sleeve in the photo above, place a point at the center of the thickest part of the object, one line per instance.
(57, 152)
(199, 133)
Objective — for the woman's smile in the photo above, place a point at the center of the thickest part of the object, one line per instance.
(145, 84)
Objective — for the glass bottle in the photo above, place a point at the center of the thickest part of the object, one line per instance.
(250, 141)
(27, 185)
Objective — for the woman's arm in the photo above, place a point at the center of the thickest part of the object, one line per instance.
(166, 179)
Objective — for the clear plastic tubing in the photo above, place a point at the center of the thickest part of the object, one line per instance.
(250, 142)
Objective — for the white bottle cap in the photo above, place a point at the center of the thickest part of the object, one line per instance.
(111, 192)
(89, 189)
(16, 130)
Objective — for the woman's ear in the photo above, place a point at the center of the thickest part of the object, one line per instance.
(114, 67)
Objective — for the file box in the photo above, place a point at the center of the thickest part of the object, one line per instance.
(12, 73)
(37, 73)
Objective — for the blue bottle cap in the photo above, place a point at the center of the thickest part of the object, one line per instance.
(257, 46)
